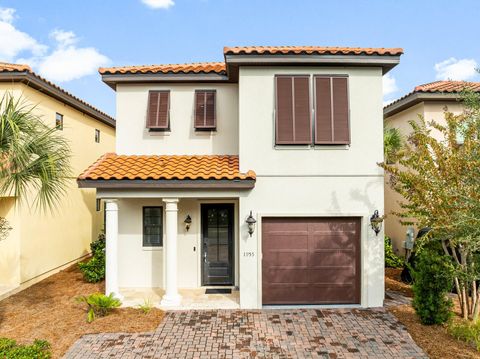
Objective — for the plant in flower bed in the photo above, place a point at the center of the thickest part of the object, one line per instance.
(40, 349)
(391, 259)
(94, 270)
(99, 304)
(439, 177)
(466, 331)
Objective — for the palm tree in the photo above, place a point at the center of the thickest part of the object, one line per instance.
(392, 144)
(34, 158)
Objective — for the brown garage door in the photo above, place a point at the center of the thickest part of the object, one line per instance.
(311, 260)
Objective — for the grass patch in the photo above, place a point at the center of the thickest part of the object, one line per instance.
(466, 331)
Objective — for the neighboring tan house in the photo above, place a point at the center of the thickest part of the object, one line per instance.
(42, 243)
(430, 101)
(288, 137)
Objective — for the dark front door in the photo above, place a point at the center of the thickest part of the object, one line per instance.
(217, 244)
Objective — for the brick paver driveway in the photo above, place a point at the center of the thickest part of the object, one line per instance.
(299, 333)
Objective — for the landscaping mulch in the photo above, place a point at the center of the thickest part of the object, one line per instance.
(433, 339)
(48, 310)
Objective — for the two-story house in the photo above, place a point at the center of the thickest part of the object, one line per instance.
(43, 242)
(256, 174)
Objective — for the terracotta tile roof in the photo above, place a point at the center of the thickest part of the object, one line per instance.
(21, 68)
(199, 67)
(318, 50)
(447, 86)
(122, 167)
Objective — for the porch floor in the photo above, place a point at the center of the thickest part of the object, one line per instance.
(191, 298)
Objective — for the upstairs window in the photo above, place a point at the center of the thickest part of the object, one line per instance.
(97, 136)
(152, 226)
(59, 121)
(158, 112)
(331, 110)
(205, 110)
(293, 125)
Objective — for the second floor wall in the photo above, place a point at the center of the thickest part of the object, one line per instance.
(133, 136)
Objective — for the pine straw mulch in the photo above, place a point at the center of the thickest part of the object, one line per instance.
(48, 310)
(433, 339)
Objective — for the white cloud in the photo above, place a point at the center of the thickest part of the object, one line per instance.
(69, 62)
(13, 41)
(389, 85)
(453, 69)
(66, 61)
(159, 4)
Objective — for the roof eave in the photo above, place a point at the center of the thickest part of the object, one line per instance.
(37, 83)
(167, 184)
(416, 98)
(113, 79)
(386, 62)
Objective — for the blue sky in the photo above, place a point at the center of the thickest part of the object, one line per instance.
(67, 40)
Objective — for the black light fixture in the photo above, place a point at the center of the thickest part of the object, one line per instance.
(251, 224)
(188, 222)
(376, 222)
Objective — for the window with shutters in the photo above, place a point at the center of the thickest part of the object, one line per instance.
(331, 110)
(205, 110)
(152, 226)
(158, 112)
(293, 125)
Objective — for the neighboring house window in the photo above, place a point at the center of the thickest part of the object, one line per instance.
(205, 110)
(331, 110)
(292, 113)
(158, 112)
(97, 136)
(59, 121)
(98, 204)
(152, 226)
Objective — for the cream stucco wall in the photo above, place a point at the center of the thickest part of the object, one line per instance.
(430, 110)
(134, 138)
(305, 181)
(48, 240)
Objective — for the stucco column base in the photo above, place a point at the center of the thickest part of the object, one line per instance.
(171, 300)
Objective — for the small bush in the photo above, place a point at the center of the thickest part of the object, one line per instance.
(38, 350)
(466, 331)
(391, 259)
(94, 270)
(99, 305)
(433, 278)
(146, 307)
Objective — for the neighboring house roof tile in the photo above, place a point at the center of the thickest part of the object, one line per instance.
(434, 91)
(272, 50)
(132, 167)
(199, 67)
(49, 88)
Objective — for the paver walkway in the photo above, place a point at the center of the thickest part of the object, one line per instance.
(302, 333)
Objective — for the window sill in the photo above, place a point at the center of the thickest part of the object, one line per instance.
(311, 147)
(150, 249)
(159, 133)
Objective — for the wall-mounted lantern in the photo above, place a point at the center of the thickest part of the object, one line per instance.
(376, 222)
(251, 224)
(188, 222)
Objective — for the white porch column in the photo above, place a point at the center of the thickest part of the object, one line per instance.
(111, 248)
(171, 297)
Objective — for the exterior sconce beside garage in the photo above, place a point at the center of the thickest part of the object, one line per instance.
(376, 222)
(188, 222)
(251, 224)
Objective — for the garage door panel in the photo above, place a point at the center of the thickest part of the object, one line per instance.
(286, 258)
(331, 258)
(310, 260)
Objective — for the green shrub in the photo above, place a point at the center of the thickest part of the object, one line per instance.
(391, 259)
(467, 331)
(99, 305)
(38, 350)
(94, 270)
(432, 281)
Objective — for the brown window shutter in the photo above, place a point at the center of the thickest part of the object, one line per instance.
(158, 110)
(205, 109)
(331, 110)
(292, 123)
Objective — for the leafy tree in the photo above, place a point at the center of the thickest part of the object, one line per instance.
(392, 144)
(34, 157)
(440, 181)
